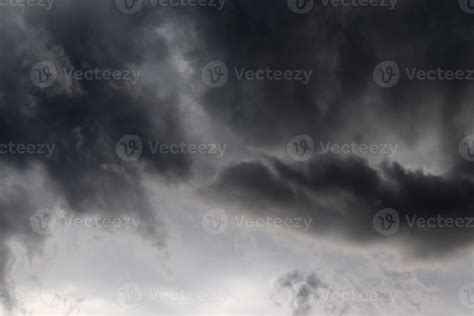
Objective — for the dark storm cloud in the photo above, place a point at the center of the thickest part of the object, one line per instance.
(84, 120)
(342, 196)
(341, 45)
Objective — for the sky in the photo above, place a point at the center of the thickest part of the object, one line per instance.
(236, 157)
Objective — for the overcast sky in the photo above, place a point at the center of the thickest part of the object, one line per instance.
(236, 157)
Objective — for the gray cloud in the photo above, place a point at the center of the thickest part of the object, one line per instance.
(342, 195)
(340, 45)
(303, 289)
